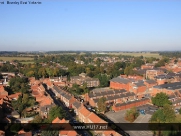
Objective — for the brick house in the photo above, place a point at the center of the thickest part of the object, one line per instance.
(48, 82)
(152, 73)
(64, 123)
(147, 66)
(120, 83)
(139, 88)
(130, 104)
(44, 110)
(112, 96)
(2, 91)
(67, 99)
(86, 116)
(82, 78)
(76, 105)
(166, 88)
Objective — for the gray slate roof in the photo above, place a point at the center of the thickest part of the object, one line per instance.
(170, 86)
(122, 80)
(77, 104)
(151, 81)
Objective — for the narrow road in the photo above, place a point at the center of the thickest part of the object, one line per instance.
(69, 116)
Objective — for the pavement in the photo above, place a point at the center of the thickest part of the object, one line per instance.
(118, 117)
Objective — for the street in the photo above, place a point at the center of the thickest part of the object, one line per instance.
(69, 116)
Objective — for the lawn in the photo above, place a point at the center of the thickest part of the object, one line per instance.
(16, 58)
(135, 54)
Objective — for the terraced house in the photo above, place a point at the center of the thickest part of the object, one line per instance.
(82, 78)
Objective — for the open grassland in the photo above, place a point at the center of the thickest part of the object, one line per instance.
(27, 62)
(16, 58)
(135, 54)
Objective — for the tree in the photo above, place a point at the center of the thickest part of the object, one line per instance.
(102, 104)
(169, 113)
(163, 115)
(131, 114)
(160, 99)
(56, 112)
(50, 133)
(128, 70)
(37, 119)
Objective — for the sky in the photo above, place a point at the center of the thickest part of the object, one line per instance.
(91, 25)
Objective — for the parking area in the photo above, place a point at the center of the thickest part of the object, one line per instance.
(118, 117)
(148, 109)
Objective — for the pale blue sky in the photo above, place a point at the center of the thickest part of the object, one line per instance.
(131, 25)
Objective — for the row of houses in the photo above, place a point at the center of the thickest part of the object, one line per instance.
(45, 102)
(79, 80)
(82, 113)
(86, 116)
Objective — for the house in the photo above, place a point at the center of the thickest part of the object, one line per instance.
(67, 99)
(57, 91)
(76, 105)
(69, 131)
(2, 91)
(150, 83)
(120, 83)
(48, 82)
(152, 73)
(44, 110)
(130, 104)
(111, 95)
(166, 88)
(86, 116)
(138, 88)
(147, 66)
(46, 100)
(14, 96)
(82, 78)
(83, 114)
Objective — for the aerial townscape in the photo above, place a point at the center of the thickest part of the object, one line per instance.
(72, 88)
(90, 68)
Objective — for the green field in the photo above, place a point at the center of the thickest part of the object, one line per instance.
(27, 62)
(16, 58)
(135, 54)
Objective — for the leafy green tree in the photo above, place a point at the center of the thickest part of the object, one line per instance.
(128, 70)
(56, 111)
(164, 115)
(131, 114)
(169, 113)
(104, 80)
(102, 104)
(37, 119)
(160, 99)
(50, 133)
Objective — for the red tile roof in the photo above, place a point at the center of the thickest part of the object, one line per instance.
(94, 118)
(16, 95)
(68, 133)
(84, 111)
(45, 101)
(58, 120)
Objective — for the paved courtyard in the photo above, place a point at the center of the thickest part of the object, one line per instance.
(118, 117)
